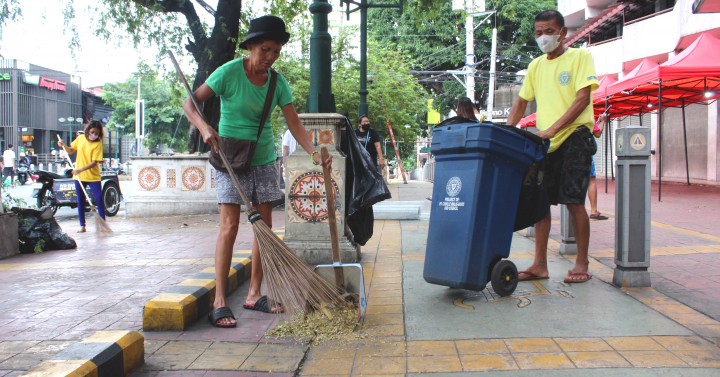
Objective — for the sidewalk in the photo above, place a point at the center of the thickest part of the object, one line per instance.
(547, 328)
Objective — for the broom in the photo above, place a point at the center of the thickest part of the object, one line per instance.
(100, 223)
(289, 280)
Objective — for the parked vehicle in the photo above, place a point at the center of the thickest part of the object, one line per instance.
(22, 172)
(56, 190)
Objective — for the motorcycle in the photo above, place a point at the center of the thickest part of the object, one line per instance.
(22, 172)
(56, 190)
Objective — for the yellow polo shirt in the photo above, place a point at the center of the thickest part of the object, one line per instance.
(553, 84)
(87, 152)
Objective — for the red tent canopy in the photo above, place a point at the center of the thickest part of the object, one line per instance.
(528, 121)
(600, 94)
(636, 77)
(691, 76)
(603, 84)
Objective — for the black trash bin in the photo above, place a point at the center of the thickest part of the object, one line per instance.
(479, 172)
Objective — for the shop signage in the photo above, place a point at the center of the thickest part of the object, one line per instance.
(31, 79)
(52, 84)
(5, 76)
(498, 113)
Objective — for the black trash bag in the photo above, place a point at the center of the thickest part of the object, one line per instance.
(38, 231)
(364, 186)
(533, 203)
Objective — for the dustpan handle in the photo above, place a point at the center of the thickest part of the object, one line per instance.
(332, 216)
(332, 220)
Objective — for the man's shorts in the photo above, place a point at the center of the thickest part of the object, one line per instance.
(259, 184)
(592, 169)
(568, 170)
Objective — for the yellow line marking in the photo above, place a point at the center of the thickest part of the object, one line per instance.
(694, 233)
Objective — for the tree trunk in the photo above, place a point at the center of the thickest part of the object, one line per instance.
(210, 54)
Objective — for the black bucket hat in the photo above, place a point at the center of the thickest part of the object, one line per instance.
(269, 27)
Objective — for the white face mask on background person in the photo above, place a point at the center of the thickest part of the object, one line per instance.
(92, 137)
(548, 43)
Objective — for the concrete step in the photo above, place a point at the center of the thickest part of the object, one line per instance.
(397, 210)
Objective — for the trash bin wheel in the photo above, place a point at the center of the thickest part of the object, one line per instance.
(504, 278)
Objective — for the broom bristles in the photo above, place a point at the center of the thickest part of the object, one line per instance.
(289, 280)
(100, 224)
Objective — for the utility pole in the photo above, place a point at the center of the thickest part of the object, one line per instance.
(491, 85)
(469, 52)
(475, 8)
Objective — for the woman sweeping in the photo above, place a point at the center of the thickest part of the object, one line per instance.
(242, 85)
(89, 150)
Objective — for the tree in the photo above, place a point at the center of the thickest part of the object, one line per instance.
(168, 24)
(9, 11)
(165, 122)
(434, 36)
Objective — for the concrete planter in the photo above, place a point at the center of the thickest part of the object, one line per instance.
(9, 244)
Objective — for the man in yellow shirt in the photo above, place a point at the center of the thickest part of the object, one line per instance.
(561, 83)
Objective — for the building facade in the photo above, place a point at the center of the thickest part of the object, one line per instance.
(36, 105)
(619, 35)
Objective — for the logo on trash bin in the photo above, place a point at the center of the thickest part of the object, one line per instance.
(453, 186)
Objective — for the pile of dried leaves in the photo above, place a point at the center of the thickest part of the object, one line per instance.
(320, 326)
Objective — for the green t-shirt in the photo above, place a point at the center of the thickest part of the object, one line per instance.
(241, 105)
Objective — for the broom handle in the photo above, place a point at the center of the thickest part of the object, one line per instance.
(77, 177)
(226, 164)
(332, 220)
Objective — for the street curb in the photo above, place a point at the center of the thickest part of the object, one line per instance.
(183, 304)
(103, 354)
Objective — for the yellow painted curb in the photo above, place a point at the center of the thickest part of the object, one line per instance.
(180, 306)
(103, 354)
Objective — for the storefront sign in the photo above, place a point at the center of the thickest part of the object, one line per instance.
(29, 78)
(5, 76)
(52, 84)
(498, 113)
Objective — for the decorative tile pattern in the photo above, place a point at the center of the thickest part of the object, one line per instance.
(212, 178)
(193, 179)
(171, 178)
(307, 198)
(149, 178)
(326, 137)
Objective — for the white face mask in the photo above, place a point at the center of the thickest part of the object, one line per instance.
(548, 43)
(92, 137)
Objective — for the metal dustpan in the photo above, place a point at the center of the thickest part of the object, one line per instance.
(347, 277)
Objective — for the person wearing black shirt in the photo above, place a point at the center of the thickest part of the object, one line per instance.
(370, 139)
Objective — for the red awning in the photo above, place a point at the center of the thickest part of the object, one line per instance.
(603, 84)
(691, 76)
(594, 22)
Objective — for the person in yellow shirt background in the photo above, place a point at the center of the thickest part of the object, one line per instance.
(89, 150)
(561, 83)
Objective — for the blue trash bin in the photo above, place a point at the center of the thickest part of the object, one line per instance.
(479, 172)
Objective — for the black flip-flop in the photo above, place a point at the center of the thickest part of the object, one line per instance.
(216, 315)
(262, 305)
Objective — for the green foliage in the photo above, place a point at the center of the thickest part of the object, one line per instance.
(9, 11)
(164, 119)
(433, 35)
(39, 246)
(9, 201)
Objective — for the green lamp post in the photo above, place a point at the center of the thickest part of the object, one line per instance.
(363, 6)
(321, 99)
